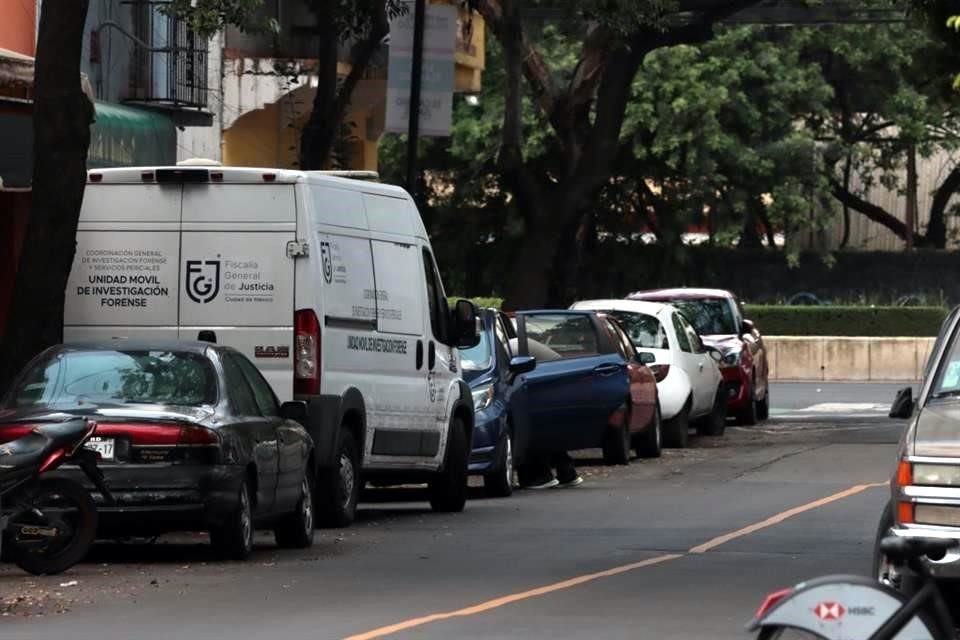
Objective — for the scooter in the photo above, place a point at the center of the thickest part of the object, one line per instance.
(48, 524)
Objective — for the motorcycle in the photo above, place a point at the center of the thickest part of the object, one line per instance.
(49, 523)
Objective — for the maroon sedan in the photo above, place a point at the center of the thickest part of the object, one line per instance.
(718, 317)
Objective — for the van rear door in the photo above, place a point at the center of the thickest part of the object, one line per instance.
(125, 272)
(236, 277)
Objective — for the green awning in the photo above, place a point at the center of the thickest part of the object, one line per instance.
(128, 137)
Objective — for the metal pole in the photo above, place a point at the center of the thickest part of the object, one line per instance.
(413, 128)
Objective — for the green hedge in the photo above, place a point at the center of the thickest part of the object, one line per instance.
(496, 303)
(782, 320)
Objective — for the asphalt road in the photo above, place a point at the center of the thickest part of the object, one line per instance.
(682, 547)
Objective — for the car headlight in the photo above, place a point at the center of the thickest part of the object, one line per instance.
(942, 475)
(730, 359)
(482, 397)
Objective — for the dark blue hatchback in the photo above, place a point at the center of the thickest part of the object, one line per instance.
(488, 369)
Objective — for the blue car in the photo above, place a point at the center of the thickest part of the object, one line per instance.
(553, 381)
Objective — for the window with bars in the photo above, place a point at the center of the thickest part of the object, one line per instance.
(169, 65)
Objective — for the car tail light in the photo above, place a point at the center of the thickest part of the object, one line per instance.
(771, 601)
(14, 431)
(904, 474)
(306, 356)
(660, 371)
(159, 434)
(905, 513)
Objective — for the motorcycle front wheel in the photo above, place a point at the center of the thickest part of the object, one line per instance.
(52, 526)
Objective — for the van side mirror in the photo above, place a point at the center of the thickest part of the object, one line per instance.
(295, 410)
(522, 364)
(645, 357)
(464, 322)
(747, 327)
(902, 404)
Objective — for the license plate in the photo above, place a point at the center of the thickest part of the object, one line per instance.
(103, 446)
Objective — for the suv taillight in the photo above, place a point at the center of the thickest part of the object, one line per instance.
(306, 353)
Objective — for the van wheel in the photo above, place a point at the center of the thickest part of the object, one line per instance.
(649, 444)
(338, 489)
(448, 489)
(616, 449)
(677, 431)
(499, 482)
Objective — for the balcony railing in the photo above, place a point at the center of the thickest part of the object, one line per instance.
(172, 71)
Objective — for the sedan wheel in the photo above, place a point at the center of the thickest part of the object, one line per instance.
(295, 531)
(616, 450)
(499, 483)
(649, 444)
(234, 538)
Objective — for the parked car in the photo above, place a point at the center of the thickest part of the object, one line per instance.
(925, 486)
(645, 429)
(329, 285)
(499, 403)
(689, 382)
(580, 395)
(190, 437)
(717, 316)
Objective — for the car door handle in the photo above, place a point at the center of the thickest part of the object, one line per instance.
(431, 355)
(419, 354)
(606, 369)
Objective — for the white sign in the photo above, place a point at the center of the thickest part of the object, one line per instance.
(436, 89)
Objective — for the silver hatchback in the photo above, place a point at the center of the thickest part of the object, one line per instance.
(925, 488)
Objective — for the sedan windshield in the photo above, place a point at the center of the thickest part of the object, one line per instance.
(78, 378)
(947, 382)
(709, 316)
(478, 358)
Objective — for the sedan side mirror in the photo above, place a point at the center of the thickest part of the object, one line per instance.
(902, 404)
(645, 357)
(715, 353)
(294, 410)
(522, 364)
(747, 327)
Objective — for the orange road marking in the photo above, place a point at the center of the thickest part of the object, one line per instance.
(573, 582)
(514, 597)
(783, 515)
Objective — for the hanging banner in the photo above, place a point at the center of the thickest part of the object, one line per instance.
(436, 92)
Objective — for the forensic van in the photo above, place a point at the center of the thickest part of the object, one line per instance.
(327, 283)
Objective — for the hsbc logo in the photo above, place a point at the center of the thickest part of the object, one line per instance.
(828, 611)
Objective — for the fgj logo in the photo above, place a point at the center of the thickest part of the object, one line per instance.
(327, 261)
(203, 280)
(828, 611)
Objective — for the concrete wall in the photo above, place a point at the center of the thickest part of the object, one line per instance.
(847, 358)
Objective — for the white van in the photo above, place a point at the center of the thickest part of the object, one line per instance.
(328, 284)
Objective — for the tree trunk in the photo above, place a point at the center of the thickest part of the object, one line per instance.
(847, 167)
(936, 235)
(62, 114)
(911, 195)
(320, 133)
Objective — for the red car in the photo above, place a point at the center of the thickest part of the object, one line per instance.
(717, 316)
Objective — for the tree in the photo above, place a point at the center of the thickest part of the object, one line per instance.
(893, 102)
(363, 24)
(584, 106)
(62, 114)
